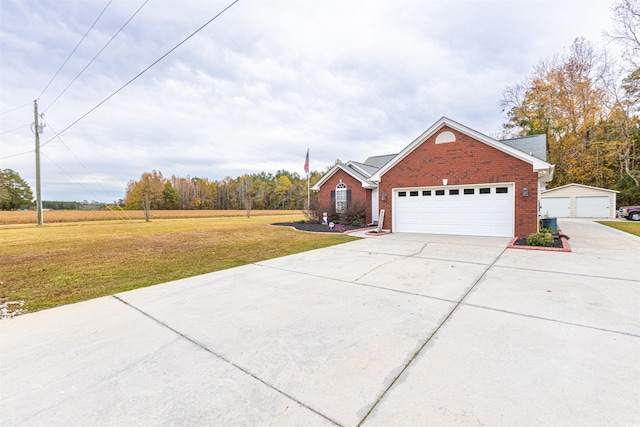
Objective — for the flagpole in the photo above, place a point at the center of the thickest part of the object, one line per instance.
(308, 194)
(306, 169)
(308, 190)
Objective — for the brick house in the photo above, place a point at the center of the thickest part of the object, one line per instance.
(449, 180)
(347, 183)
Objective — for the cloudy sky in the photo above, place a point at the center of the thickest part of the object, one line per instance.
(260, 84)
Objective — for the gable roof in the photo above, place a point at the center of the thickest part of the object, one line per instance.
(367, 170)
(356, 170)
(535, 145)
(579, 185)
(379, 161)
(544, 169)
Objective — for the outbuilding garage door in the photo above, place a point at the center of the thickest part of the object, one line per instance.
(592, 207)
(558, 207)
(485, 210)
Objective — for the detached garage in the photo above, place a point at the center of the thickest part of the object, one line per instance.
(578, 201)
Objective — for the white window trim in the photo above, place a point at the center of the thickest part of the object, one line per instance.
(341, 197)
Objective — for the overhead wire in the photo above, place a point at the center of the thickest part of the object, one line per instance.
(77, 182)
(143, 71)
(17, 154)
(106, 192)
(96, 56)
(16, 108)
(74, 49)
(14, 129)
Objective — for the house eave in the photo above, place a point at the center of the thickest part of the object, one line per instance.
(537, 164)
(336, 168)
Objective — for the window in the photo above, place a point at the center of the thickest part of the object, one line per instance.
(341, 197)
(413, 193)
(502, 190)
(485, 191)
(439, 192)
(454, 192)
(469, 191)
(444, 137)
(426, 192)
(402, 194)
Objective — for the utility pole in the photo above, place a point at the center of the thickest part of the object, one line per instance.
(38, 131)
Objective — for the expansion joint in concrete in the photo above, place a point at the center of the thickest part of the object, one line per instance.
(430, 337)
(219, 356)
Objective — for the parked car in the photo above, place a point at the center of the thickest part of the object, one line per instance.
(630, 212)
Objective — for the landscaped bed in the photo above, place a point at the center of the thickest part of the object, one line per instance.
(560, 244)
(320, 228)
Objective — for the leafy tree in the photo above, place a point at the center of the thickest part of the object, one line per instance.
(170, 196)
(147, 193)
(14, 191)
(566, 100)
(284, 190)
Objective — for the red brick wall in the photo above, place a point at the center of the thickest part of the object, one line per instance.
(465, 161)
(358, 193)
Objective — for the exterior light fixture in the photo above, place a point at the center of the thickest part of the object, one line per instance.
(525, 191)
(384, 196)
(444, 181)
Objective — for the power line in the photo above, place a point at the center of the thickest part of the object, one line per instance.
(96, 55)
(142, 72)
(74, 49)
(15, 108)
(71, 176)
(17, 154)
(14, 129)
(79, 161)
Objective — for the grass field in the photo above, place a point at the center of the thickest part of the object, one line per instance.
(63, 263)
(29, 217)
(630, 227)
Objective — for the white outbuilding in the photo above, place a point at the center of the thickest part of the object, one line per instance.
(578, 201)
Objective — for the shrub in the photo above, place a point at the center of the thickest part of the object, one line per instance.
(356, 211)
(315, 211)
(540, 239)
(547, 230)
(355, 223)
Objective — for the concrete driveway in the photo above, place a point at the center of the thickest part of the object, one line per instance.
(402, 329)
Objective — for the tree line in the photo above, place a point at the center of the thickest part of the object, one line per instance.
(587, 105)
(282, 190)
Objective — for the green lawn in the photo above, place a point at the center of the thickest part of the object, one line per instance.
(64, 263)
(631, 227)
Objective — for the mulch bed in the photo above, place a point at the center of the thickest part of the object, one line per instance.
(319, 228)
(557, 242)
(560, 244)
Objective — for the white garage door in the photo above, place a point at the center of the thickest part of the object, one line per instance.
(557, 207)
(592, 207)
(485, 210)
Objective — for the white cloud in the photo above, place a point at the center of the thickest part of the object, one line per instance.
(262, 83)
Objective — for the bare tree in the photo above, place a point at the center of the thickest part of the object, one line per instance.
(244, 192)
(626, 18)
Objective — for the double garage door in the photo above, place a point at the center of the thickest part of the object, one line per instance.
(483, 210)
(585, 207)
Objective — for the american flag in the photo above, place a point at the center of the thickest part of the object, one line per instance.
(306, 163)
